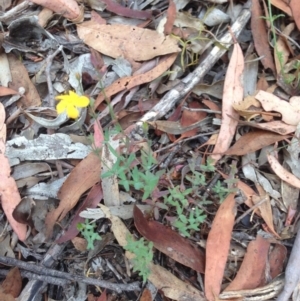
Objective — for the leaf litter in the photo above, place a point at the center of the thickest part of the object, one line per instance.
(187, 152)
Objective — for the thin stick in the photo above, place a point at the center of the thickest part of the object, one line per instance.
(250, 210)
(58, 274)
(201, 110)
(48, 75)
(184, 140)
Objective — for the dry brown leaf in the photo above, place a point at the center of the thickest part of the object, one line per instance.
(265, 208)
(277, 257)
(211, 141)
(80, 243)
(248, 108)
(9, 193)
(146, 295)
(175, 127)
(283, 6)
(282, 173)
(82, 177)
(121, 10)
(7, 91)
(295, 8)
(277, 126)
(44, 16)
(128, 82)
(290, 111)
(251, 275)
(169, 242)
(12, 284)
(260, 36)
(247, 192)
(283, 48)
(190, 117)
(20, 79)
(213, 106)
(217, 247)
(6, 297)
(254, 141)
(68, 8)
(233, 94)
(171, 16)
(127, 41)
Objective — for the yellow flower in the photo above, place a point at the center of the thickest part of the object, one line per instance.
(70, 104)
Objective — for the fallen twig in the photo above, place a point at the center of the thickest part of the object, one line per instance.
(192, 79)
(38, 269)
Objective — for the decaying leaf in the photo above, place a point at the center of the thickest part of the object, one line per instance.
(131, 42)
(9, 194)
(82, 177)
(217, 247)
(68, 8)
(175, 127)
(233, 93)
(254, 141)
(282, 173)
(251, 275)
(290, 111)
(126, 83)
(20, 79)
(260, 36)
(169, 242)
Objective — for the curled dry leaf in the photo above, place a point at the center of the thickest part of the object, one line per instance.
(260, 36)
(131, 42)
(283, 6)
(20, 79)
(282, 173)
(290, 111)
(128, 82)
(171, 16)
(233, 93)
(265, 208)
(251, 275)
(295, 8)
(68, 8)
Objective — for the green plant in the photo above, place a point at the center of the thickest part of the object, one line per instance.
(143, 255)
(141, 176)
(184, 223)
(221, 191)
(87, 230)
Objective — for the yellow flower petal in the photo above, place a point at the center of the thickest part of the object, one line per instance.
(70, 103)
(72, 112)
(61, 107)
(82, 102)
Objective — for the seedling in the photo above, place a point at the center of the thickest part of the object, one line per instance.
(87, 230)
(143, 255)
(182, 223)
(141, 178)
